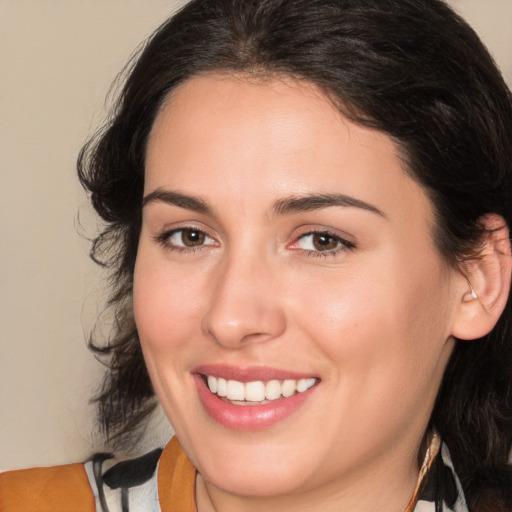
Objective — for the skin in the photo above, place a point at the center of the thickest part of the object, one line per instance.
(371, 319)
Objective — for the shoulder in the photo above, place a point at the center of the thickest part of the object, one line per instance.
(98, 484)
(52, 489)
(159, 481)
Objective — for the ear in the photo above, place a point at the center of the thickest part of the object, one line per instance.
(485, 292)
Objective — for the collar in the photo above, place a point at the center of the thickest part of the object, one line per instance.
(438, 487)
(176, 480)
(173, 484)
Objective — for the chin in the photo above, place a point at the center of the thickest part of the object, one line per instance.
(246, 465)
(255, 482)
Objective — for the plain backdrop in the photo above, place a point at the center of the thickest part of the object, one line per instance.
(57, 60)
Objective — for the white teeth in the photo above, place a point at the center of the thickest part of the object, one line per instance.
(212, 384)
(236, 390)
(288, 388)
(257, 391)
(222, 387)
(272, 390)
(304, 384)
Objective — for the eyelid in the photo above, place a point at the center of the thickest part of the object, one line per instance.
(164, 236)
(346, 242)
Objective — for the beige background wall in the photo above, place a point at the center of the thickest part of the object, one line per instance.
(57, 60)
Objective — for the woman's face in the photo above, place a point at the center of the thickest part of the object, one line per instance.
(285, 249)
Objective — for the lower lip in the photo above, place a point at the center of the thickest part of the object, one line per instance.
(249, 417)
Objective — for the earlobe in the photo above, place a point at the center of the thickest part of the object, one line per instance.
(488, 282)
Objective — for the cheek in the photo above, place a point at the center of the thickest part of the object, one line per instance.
(346, 312)
(386, 340)
(387, 323)
(166, 310)
(167, 305)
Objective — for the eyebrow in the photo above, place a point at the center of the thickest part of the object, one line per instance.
(309, 202)
(285, 206)
(177, 199)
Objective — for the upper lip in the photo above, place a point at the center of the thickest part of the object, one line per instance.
(250, 373)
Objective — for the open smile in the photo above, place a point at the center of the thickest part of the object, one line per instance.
(257, 392)
(248, 402)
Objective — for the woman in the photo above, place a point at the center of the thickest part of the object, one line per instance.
(306, 209)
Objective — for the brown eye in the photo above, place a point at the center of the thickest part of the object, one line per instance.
(324, 241)
(192, 237)
(186, 239)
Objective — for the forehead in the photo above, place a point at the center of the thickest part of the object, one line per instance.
(278, 136)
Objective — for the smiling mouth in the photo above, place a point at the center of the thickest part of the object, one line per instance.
(256, 392)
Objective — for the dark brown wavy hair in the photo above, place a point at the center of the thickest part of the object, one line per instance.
(412, 69)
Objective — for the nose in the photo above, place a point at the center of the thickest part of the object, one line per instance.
(244, 304)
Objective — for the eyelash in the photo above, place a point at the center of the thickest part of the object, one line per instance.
(342, 244)
(164, 240)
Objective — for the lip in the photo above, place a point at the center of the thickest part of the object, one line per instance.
(249, 374)
(248, 417)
